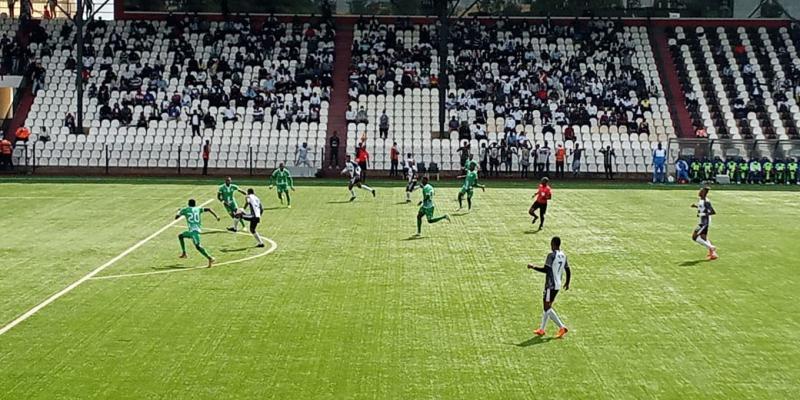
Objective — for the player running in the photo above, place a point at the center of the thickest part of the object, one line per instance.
(470, 181)
(554, 266)
(354, 171)
(411, 175)
(194, 224)
(426, 207)
(253, 203)
(283, 180)
(225, 194)
(542, 195)
(704, 212)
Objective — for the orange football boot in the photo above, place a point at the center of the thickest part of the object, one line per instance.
(561, 332)
(539, 332)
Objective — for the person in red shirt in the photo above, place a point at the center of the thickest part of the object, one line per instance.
(561, 154)
(542, 196)
(206, 156)
(361, 159)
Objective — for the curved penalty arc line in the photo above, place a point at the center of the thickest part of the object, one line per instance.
(272, 248)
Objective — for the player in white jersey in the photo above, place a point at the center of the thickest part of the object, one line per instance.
(252, 213)
(411, 175)
(555, 265)
(704, 211)
(302, 156)
(354, 170)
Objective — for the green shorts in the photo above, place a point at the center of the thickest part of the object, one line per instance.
(283, 188)
(466, 190)
(428, 212)
(231, 207)
(194, 235)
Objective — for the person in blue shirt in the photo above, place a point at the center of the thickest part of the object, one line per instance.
(659, 161)
(682, 171)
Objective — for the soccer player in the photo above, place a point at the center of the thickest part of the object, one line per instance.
(192, 215)
(225, 194)
(426, 206)
(542, 195)
(554, 266)
(470, 181)
(354, 170)
(253, 203)
(411, 174)
(283, 180)
(704, 212)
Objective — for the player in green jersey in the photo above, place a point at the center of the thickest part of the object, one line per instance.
(225, 194)
(470, 182)
(426, 207)
(283, 180)
(192, 214)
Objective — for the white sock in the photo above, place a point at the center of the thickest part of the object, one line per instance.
(544, 319)
(352, 193)
(703, 242)
(236, 223)
(555, 318)
(258, 238)
(408, 195)
(367, 188)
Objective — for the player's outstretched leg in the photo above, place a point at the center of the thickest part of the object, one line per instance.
(369, 189)
(469, 201)
(419, 223)
(460, 200)
(352, 193)
(205, 254)
(280, 196)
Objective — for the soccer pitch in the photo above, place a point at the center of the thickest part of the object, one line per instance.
(346, 306)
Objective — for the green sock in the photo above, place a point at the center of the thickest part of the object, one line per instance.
(183, 245)
(203, 252)
(437, 219)
(419, 224)
(460, 200)
(288, 199)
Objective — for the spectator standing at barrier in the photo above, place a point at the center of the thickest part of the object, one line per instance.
(302, 156)
(659, 161)
(206, 156)
(383, 125)
(69, 122)
(333, 143)
(576, 154)
(524, 161)
(394, 157)
(561, 155)
(463, 153)
(494, 159)
(542, 153)
(608, 161)
(682, 171)
(507, 154)
(483, 154)
(6, 150)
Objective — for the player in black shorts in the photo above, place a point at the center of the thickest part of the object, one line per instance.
(704, 211)
(554, 266)
(253, 203)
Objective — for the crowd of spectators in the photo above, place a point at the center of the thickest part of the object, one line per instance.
(383, 63)
(290, 93)
(501, 76)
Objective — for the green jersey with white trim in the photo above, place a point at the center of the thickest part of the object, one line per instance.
(192, 215)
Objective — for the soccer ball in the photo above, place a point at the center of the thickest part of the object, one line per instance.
(671, 179)
(238, 213)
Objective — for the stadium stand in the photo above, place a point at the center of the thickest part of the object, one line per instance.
(596, 84)
(258, 89)
(740, 82)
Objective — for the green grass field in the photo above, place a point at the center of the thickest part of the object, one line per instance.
(347, 307)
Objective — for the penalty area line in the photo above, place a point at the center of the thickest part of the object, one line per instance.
(86, 277)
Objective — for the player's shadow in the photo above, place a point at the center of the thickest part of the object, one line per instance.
(340, 202)
(460, 214)
(414, 237)
(274, 208)
(533, 341)
(692, 263)
(402, 203)
(234, 250)
(171, 266)
(532, 232)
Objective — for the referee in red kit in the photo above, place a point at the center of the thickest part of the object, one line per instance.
(542, 195)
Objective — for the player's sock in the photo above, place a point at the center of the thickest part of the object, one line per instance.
(183, 245)
(460, 200)
(367, 188)
(258, 238)
(408, 195)
(419, 225)
(469, 203)
(545, 317)
(703, 242)
(288, 199)
(203, 252)
(280, 197)
(555, 318)
(352, 193)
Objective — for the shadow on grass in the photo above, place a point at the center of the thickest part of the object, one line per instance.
(171, 266)
(340, 202)
(534, 341)
(274, 208)
(692, 263)
(532, 232)
(415, 237)
(459, 214)
(402, 202)
(234, 250)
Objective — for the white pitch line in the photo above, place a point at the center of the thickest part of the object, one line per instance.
(85, 278)
(273, 247)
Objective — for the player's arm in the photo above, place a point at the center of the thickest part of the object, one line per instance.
(711, 210)
(461, 177)
(219, 196)
(272, 179)
(241, 191)
(537, 268)
(210, 211)
(569, 276)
